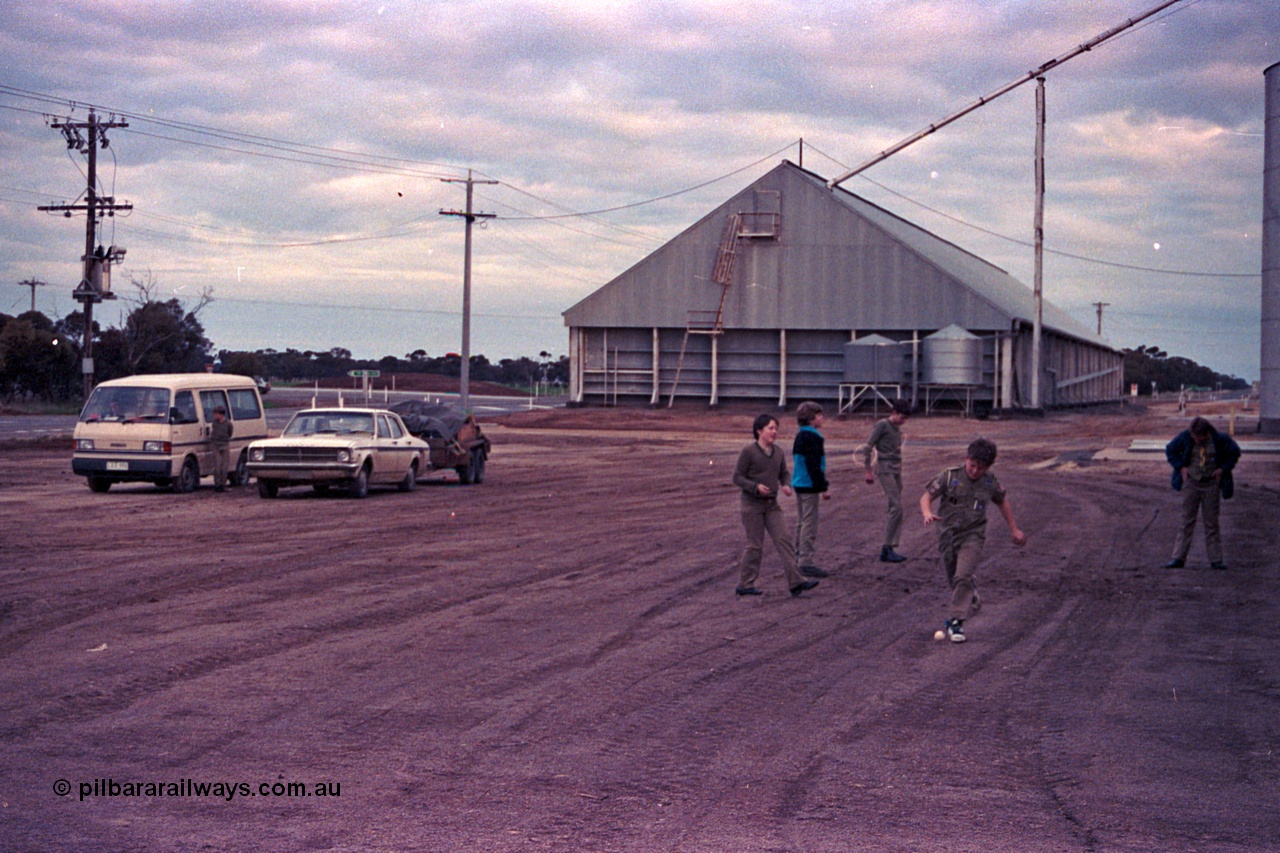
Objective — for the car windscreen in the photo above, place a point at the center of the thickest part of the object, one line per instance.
(126, 403)
(336, 422)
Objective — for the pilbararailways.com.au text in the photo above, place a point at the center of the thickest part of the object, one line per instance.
(190, 788)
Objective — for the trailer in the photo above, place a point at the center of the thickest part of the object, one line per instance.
(455, 438)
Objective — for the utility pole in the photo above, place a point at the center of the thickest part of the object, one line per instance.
(1037, 321)
(464, 381)
(1100, 306)
(95, 285)
(33, 284)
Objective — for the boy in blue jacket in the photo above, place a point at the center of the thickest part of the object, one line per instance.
(1202, 459)
(809, 461)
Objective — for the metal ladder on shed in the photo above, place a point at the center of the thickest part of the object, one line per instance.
(708, 322)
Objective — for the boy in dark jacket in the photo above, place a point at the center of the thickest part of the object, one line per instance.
(809, 457)
(1202, 459)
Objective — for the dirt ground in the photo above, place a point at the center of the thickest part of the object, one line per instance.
(555, 660)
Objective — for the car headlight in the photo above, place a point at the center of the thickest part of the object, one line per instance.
(156, 447)
(256, 454)
(84, 444)
(344, 455)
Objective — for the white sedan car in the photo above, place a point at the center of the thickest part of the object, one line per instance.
(353, 448)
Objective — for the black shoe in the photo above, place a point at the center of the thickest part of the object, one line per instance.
(748, 590)
(888, 555)
(803, 586)
(1219, 565)
(1175, 563)
(813, 572)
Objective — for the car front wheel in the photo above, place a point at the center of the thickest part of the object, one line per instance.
(267, 489)
(359, 487)
(99, 484)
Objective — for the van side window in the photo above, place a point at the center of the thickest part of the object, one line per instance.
(244, 405)
(185, 404)
(210, 400)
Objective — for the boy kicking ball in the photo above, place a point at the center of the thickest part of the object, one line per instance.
(963, 494)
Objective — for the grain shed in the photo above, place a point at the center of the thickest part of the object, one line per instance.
(757, 300)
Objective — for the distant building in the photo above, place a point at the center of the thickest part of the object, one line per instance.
(777, 293)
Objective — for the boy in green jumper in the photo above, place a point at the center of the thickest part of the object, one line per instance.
(963, 493)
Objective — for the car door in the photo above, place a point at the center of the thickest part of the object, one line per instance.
(404, 443)
(387, 466)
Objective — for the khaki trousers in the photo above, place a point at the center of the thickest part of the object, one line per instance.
(221, 459)
(961, 562)
(890, 476)
(806, 526)
(759, 518)
(1204, 499)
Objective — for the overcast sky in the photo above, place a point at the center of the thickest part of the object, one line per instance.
(289, 155)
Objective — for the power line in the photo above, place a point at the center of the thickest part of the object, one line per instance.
(1027, 244)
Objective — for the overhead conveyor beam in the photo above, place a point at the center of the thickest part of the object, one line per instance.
(986, 99)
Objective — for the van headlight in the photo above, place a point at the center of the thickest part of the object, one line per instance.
(84, 444)
(256, 454)
(344, 455)
(156, 447)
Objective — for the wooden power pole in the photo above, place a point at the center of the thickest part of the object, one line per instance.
(464, 380)
(95, 285)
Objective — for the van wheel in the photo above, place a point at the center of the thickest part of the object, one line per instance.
(477, 466)
(359, 487)
(410, 481)
(188, 478)
(240, 476)
(267, 489)
(99, 484)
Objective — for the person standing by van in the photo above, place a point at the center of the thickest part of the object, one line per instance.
(220, 435)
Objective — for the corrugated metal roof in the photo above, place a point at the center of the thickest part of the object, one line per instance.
(840, 262)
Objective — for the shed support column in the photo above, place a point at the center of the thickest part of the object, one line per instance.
(782, 368)
(653, 400)
(715, 370)
(576, 353)
(915, 367)
(1006, 376)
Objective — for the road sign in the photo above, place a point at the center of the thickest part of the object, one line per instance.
(358, 373)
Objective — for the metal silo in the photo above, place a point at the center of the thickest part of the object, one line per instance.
(875, 360)
(1269, 408)
(952, 356)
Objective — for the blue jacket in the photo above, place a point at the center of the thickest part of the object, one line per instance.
(809, 461)
(1225, 449)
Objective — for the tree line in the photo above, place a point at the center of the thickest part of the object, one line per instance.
(1145, 365)
(40, 357)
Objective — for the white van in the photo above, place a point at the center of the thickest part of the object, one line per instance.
(156, 429)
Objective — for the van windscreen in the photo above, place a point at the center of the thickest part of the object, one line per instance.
(126, 404)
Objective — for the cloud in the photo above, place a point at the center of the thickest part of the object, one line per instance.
(340, 120)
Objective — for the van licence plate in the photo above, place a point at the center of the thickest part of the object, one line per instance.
(117, 466)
